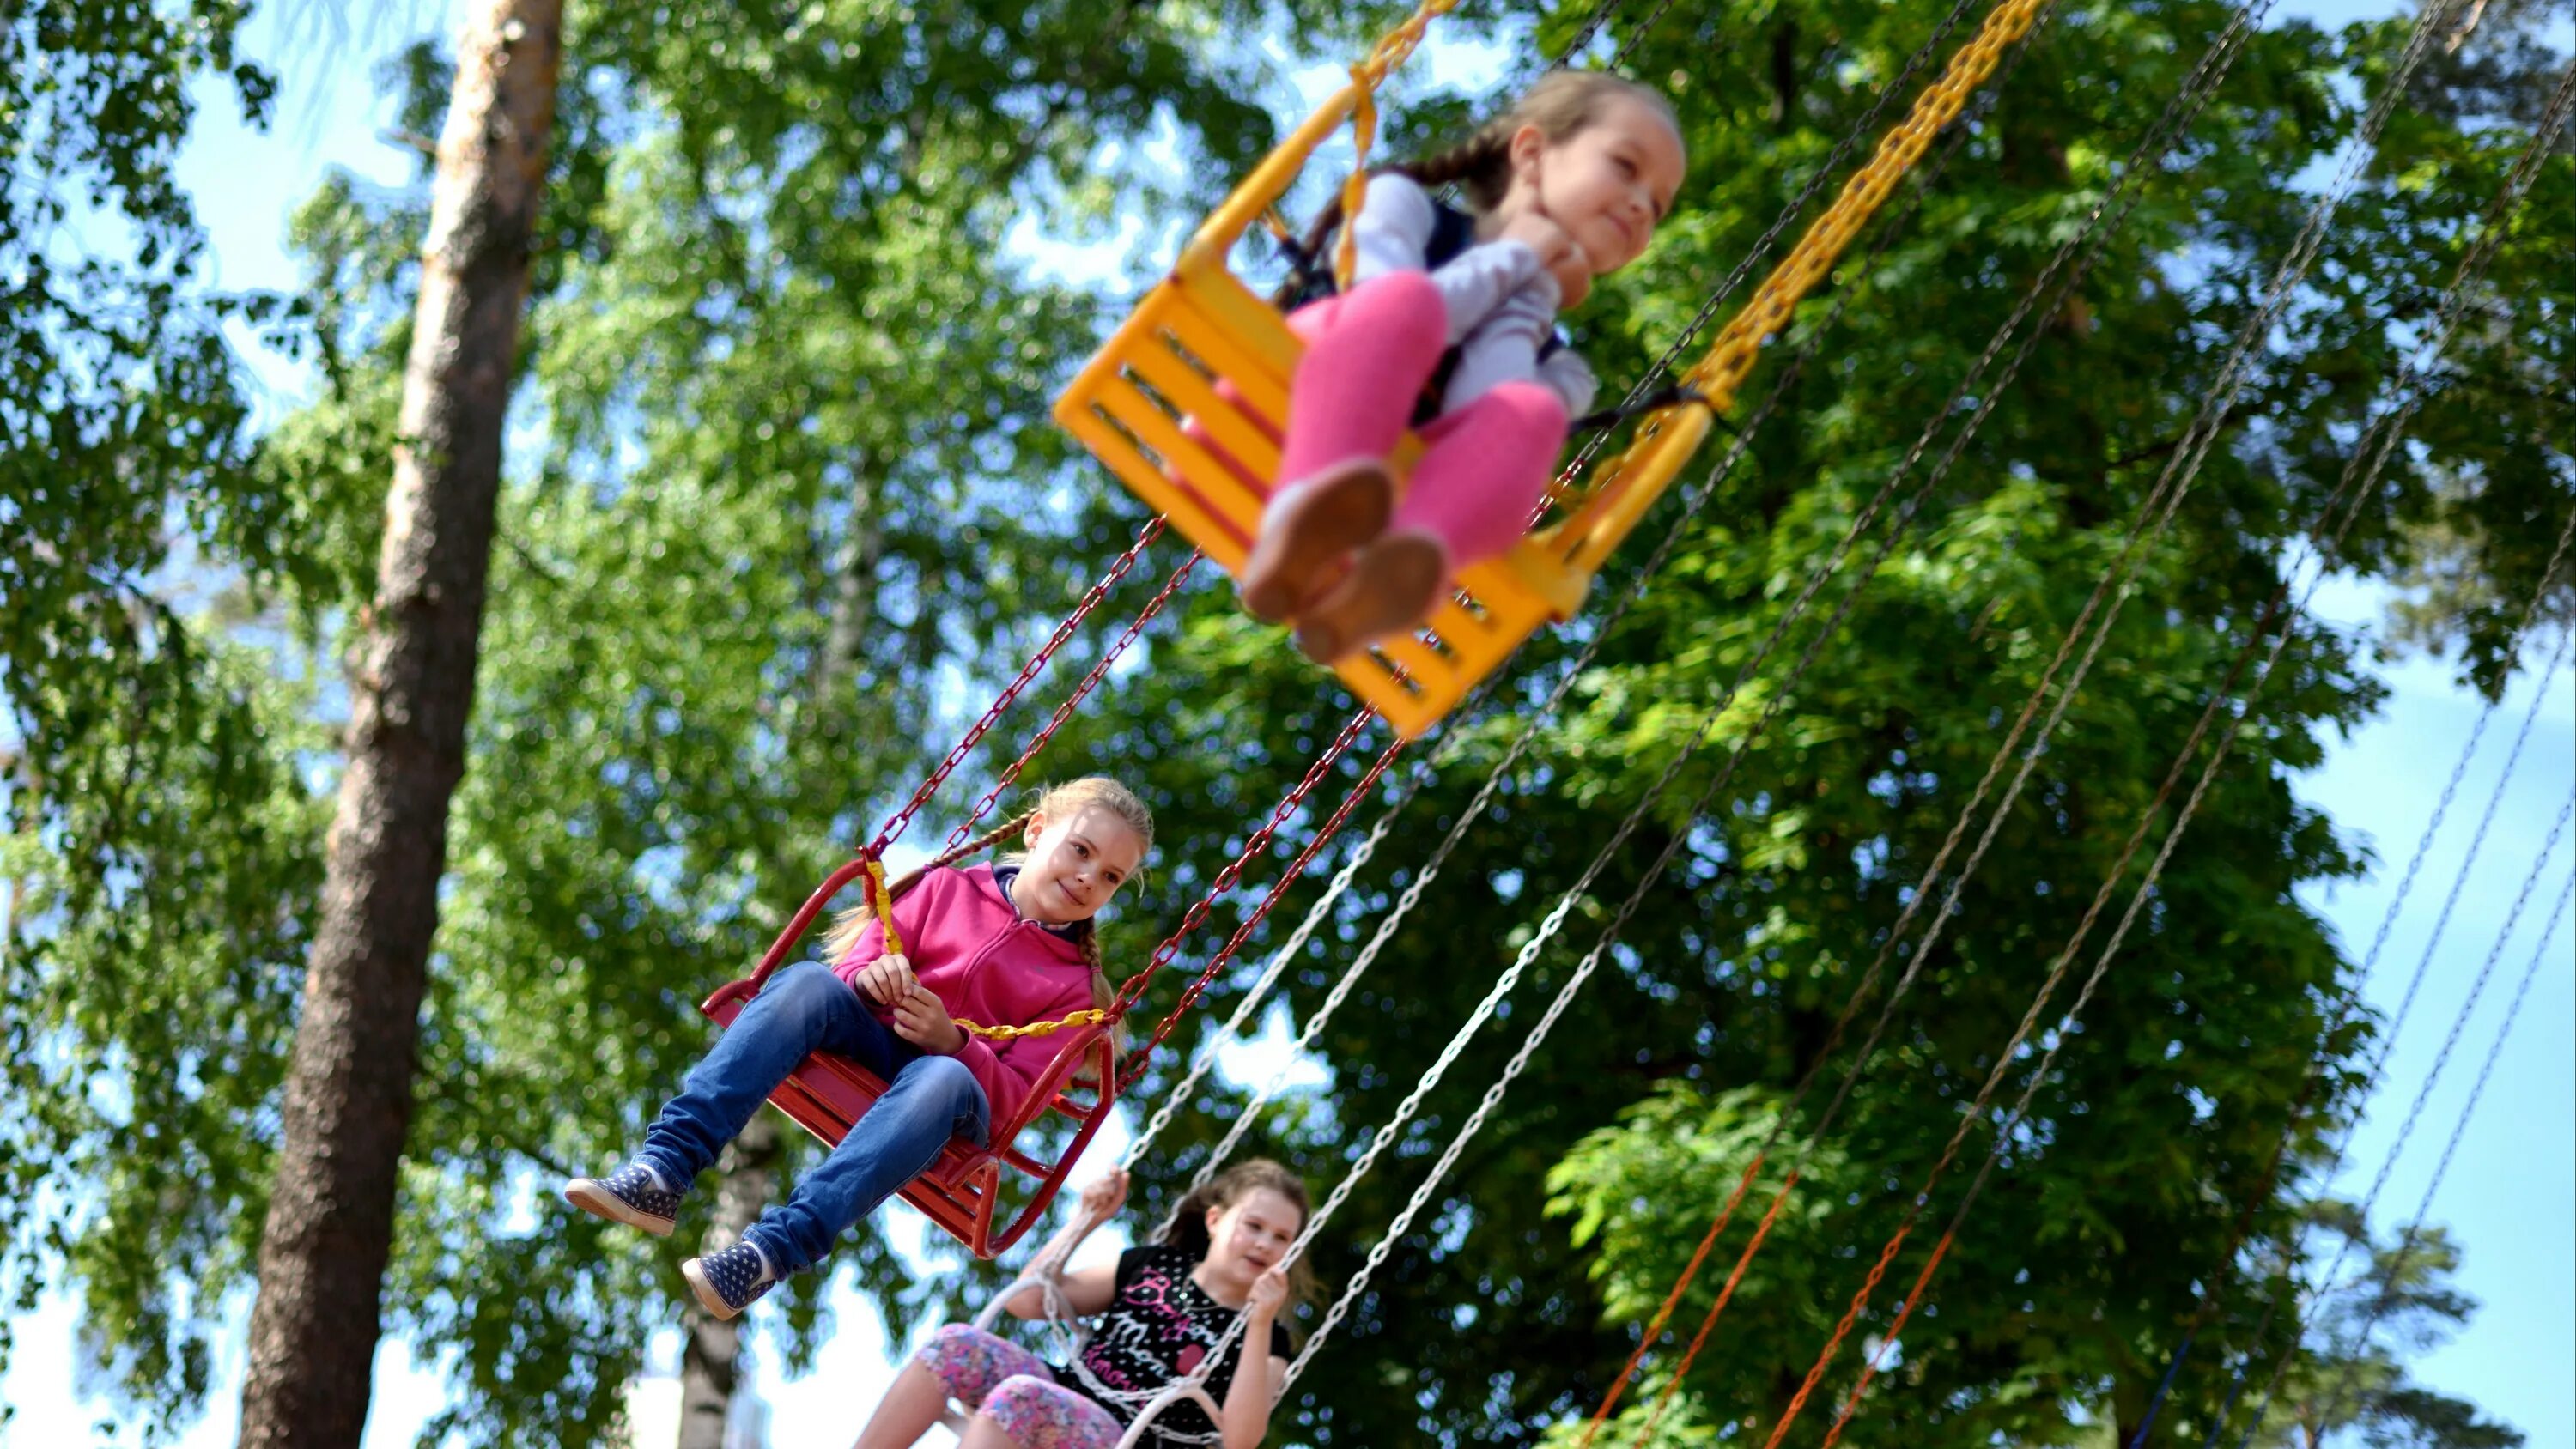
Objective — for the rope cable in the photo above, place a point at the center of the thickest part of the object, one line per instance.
(1788, 377)
(2459, 1129)
(2177, 478)
(2081, 249)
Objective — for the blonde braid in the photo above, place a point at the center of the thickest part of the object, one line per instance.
(847, 926)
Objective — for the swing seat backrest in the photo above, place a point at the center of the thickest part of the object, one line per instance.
(1186, 402)
(963, 1190)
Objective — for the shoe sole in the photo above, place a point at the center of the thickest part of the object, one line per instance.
(708, 1298)
(1315, 524)
(1409, 569)
(591, 1197)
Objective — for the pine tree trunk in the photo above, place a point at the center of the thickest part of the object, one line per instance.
(711, 1358)
(348, 1093)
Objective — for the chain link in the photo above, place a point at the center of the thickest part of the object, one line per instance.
(894, 827)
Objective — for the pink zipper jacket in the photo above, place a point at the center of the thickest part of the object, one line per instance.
(988, 965)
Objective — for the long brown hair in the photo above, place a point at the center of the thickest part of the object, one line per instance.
(1188, 1230)
(1560, 103)
(1052, 803)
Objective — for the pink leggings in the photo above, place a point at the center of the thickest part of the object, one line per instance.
(1369, 353)
(1014, 1388)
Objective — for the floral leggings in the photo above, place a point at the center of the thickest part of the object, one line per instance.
(1014, 1388)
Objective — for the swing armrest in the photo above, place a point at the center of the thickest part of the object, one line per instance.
(1053, 1091)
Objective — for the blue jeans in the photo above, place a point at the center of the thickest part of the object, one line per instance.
(805, 1008)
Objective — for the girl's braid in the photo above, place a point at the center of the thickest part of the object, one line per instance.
(976, 846)
(1482, 163)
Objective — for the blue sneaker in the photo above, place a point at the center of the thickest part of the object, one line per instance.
(632, 1195)
(727, 1282)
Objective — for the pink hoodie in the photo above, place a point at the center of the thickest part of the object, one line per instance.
(988, 965)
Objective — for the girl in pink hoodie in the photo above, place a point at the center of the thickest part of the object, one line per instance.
(1006, 944)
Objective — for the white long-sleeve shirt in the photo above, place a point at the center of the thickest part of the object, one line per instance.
(1502, 302)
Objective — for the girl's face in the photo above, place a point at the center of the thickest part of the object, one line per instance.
(1248, 1236)
(1075, 864)
(1608, 184)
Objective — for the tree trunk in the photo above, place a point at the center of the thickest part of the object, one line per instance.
(711, 1359)
(348, 1093)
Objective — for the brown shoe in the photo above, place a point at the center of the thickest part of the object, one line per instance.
(1392, 587)
(1309, 526)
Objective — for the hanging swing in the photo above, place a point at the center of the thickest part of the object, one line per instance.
(1204, 354)
(826, 1095)
(962, 1190)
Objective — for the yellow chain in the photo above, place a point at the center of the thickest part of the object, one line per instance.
(1732, 355)
(1390, 51)
(1091, 1017)
(881, 900)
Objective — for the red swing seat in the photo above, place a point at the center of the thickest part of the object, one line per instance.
(962, 1190)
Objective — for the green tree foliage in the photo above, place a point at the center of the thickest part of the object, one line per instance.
(162, 846)
(787, 496)
(2349, 1383)
(784, 500)
(2159, 1119)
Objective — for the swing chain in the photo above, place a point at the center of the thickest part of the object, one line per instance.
(881, 901)
(1390, 51)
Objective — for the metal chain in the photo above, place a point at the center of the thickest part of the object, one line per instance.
(2191, 459)
(1134, 987)
(1065, 707)
(894, 827)
(1797, 609)
(2107, 216)
(2182, 821)
(1243, 933)
(1693, 503)
(2325, 1279)
(1718, 295)
(2459, 1129)
(2300, 255)
(2471, 266)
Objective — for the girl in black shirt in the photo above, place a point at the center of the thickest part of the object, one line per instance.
(1157, 1312)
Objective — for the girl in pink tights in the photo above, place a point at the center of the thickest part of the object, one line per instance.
(1453, 312)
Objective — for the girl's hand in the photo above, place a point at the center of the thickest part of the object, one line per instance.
(1540, 233)
(922, 1019)
(1573, 275)
(1269, 1291)
(1106, 1195)
(886, 980)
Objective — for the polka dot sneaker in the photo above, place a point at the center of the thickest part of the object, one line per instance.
(727, 1282)
(632, 1195)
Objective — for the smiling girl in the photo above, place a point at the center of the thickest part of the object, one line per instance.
(1158, 1310)
(1006, 944)
(1449, 326)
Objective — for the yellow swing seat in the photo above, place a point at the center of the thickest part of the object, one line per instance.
(1134, 403)
(1157, 381)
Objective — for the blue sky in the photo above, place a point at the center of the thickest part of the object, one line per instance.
(2509, 1197)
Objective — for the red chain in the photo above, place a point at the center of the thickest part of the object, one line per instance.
(1135, 987)
(1664, 1314)
(894, 827)
(1064, 709)
(1904, 1310)
(1725, 1293)
(1190, 995)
